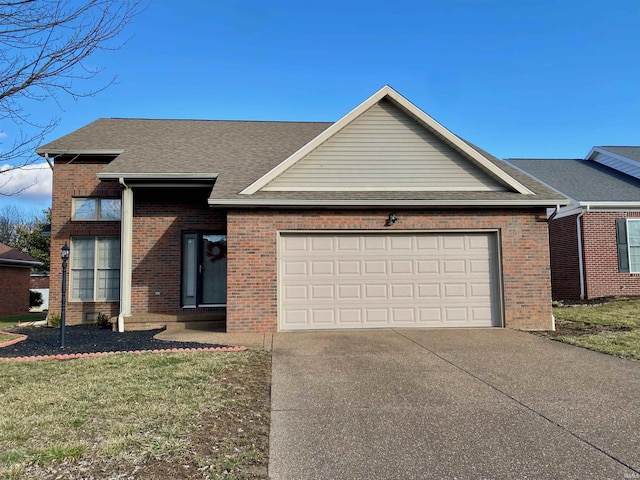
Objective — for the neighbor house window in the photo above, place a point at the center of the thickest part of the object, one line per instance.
(633, 233)
(96, 209)
(95, 269)
(628, 242)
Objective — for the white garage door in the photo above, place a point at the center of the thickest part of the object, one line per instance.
(333, 281)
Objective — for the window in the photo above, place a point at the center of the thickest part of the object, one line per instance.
(628, 242)
(96, 209)
(95, 269)
(633, 233)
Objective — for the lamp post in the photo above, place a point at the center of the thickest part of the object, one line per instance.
(65, 257)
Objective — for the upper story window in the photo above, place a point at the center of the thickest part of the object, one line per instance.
(96, 209)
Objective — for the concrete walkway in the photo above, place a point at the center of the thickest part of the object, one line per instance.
(411, 404)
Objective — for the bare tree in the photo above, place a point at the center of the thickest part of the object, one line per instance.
(44, 45)
(12, 219)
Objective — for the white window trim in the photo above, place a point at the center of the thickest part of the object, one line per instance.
(97, 217)
(96, 269)
(629, 246)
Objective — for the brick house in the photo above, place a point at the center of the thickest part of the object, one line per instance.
(15, 280)
(594, 240)
(382, 219)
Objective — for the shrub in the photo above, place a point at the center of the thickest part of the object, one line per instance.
(102, 321)
(35, 299)
(53, 320)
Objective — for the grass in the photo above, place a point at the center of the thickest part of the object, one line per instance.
(5, 337)
(179, 415)
(612, 327)
(11, 320)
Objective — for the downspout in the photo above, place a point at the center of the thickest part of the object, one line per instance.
(126, 255)
(551, 217)
(580, 258)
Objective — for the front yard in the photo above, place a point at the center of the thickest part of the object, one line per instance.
(194, 415)
(611, 327)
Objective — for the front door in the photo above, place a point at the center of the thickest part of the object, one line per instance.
(204, 269)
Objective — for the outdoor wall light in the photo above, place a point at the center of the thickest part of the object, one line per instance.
(391, 220)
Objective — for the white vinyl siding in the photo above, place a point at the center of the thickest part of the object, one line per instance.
(633, 233)
(385, 149)
(629, 167)
(369, 280)
(95, 269)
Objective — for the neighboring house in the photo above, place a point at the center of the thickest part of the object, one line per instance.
(595, 240)
(15, 272)
(382, 219)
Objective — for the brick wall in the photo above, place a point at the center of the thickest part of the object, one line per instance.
(14, 293)
(77, 178)
(602, 278)
(157, 233)
(563, 249)
(252, 258)
(39, 281)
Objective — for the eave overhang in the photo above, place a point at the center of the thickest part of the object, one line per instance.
(289, 203)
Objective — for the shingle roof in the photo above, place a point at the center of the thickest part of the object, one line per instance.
(582, 180)
(241, 152)
(11, 256)
(630, 152)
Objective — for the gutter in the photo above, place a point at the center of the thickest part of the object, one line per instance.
(300, 202)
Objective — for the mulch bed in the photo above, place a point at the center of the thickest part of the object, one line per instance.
(87, 339)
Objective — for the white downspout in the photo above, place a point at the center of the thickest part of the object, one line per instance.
(126, 255)
(580, 259)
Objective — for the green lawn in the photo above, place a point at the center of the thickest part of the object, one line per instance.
(5, 337)
(612, 327)
(10, 320)
(179, 415)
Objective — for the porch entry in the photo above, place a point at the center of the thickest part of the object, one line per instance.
(204, 269)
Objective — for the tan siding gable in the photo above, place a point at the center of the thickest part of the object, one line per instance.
(384, 149)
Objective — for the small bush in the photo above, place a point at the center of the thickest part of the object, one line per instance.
(102, 321)
(53, 320)
(35, 299)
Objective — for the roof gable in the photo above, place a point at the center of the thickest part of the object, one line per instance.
(384, 149)
(386, 144)
(623, 159)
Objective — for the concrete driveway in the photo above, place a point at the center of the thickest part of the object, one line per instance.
(416, 404)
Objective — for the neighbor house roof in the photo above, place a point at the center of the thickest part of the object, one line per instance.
(630, 152)
(582, 180)
(242, 156)
(15, 258)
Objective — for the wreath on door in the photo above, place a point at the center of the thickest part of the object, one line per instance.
(216, 250)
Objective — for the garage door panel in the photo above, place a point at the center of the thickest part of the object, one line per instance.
(378, 280)
(374, 244)
(401, 267)
(376, 316)
(374, 267)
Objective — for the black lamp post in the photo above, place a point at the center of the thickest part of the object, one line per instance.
(65, 257)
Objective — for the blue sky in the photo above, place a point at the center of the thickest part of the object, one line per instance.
(539, 78)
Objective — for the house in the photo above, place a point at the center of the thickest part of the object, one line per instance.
(595, 239)
(15, 270)
(382, 219)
